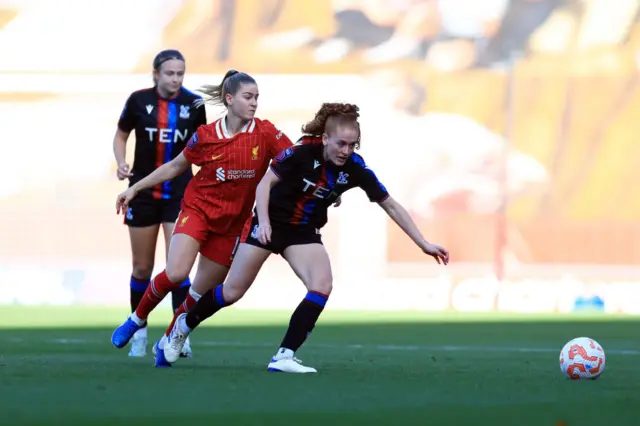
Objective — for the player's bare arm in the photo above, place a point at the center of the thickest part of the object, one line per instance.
(262, 205)
(163, 173)
(400, 216)
(120, 152)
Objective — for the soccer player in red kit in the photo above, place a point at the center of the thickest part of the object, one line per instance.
(234, 153)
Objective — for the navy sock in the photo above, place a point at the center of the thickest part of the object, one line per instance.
(210, 303)
(137, 288)
(179, 295)
(304, 320)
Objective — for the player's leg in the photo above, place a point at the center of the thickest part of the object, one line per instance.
(191, 231)
(311, 264)
(170, 213)
(245, 267)
(143, 223)
(209, 273)
(247, 262)
(143, 248)
(216, 256)
(178, 295)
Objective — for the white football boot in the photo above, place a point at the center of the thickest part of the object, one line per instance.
(176, 340)
(285, 362)
(139, 343)
(186, 350)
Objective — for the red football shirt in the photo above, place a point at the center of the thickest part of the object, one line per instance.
(224, 190)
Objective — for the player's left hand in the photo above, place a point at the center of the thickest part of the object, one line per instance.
(439, 253)
(337, 202)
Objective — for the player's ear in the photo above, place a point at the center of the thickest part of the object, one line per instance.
(228, 97)
(325, 139)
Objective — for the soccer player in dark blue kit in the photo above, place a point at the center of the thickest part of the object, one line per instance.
(164, 117)
(291, 207)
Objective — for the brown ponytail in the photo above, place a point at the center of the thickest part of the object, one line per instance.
(330, 116)
(230, 84)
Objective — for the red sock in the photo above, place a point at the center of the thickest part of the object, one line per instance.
(186, 306)
(159, 287)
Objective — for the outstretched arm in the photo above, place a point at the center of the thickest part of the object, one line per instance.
(163, 173)
(400, 216)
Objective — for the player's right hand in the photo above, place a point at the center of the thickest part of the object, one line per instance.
(264, 233)
(123, 171)
(122, 202)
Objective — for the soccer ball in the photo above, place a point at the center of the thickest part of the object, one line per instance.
(582, 358)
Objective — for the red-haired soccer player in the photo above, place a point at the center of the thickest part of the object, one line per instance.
(291, 208)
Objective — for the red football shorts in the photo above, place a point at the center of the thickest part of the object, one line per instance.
(215, 247)
(246, 230)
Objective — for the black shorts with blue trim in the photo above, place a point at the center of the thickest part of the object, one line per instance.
(282, 238)
(146, 211)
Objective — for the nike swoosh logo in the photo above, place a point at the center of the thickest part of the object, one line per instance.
(215, 157)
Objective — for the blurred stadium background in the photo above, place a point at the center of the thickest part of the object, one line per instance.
(509, 129)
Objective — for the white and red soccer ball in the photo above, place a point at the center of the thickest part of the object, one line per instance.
(582, 358)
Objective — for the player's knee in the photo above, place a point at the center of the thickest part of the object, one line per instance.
(322, 285)
(142, 270)
(233, 294)
(233, 291)
(177, 273)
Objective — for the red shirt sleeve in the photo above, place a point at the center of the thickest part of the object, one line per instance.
(193, 151)
(277, 141)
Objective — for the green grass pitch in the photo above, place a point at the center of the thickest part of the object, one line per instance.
(57, 366)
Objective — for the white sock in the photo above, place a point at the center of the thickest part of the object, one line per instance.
(142, 333)
(193, 294)
(137, 319)
(284, 353)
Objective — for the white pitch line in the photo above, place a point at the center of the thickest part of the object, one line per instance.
(413, 348)
(398, 348)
